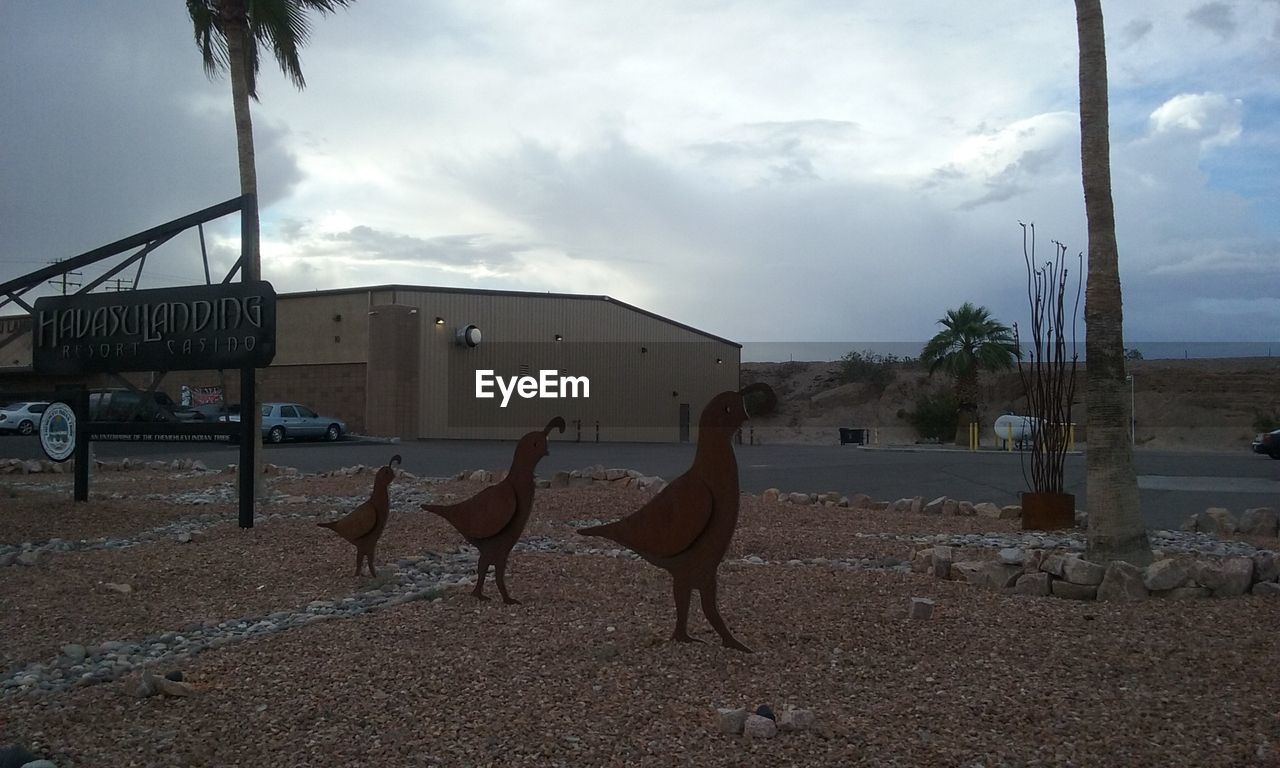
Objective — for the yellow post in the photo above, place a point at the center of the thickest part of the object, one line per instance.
(1071, 436)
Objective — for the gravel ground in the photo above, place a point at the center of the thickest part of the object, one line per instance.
(582, 674)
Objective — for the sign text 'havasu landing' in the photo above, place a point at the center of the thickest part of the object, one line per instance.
(199, 327)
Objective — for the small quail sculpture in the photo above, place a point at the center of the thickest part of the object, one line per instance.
(364, 525)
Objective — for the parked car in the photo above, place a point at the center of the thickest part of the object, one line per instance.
(1268, 443)
(210, 411)
(128, 405)
(293, 420)
(22, 418)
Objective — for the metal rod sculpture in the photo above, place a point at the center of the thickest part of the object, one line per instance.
(686, 528)
(493, 520)
(363, 526)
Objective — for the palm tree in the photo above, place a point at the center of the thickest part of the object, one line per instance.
(1115, 525)
(970, 341)
(228, 33)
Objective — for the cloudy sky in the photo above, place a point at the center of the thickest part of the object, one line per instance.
(766, 170)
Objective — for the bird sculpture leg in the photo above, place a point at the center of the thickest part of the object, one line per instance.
(499, 575)
(359, 556)
(682, 591)
(482, 570)
(368, 556)
(712, 612)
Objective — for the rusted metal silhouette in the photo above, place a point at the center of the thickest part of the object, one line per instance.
(494, 518)
(686, 528)
(363, 527)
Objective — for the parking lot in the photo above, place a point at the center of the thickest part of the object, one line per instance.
(1173, 485)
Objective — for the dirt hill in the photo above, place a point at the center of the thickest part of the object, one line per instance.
(1205, 403)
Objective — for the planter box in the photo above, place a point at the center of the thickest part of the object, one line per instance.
(1048, 511)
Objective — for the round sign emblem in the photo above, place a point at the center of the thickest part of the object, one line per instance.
(58, 431)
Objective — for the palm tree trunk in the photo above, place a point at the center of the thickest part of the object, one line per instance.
(1116, 531)
(967, 400)
(235, 22)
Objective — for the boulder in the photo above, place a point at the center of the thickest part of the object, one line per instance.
(966, 509)
(922, 561)
(859, 501)
(1011, 555)
(796, 719)
(902, 505)
(29, 557)
(731, 720)
(1011, 512)
(1222, 522)
(950, 508)
(770, 495)
(758, 727)
(942, 557)
(1122, 582)
(921, 608)
(615, 473)
(799, 498)
(1080, 571)
(986, 574)
(1069, 591)
(1269, 588)
(935, 507)
(1266, 565)
(1191, 524)
(1036, 584)
(1259, 521)
(1169, 573)
(1228, 577)
(1054, 564)
(987, 509)
(560, 479)
(1031, 563)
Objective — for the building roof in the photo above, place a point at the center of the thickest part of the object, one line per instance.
(495, 292)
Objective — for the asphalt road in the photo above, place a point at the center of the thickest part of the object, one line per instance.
(1173, 485)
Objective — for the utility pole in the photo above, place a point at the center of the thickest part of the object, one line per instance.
(62, 282)
(117, 284)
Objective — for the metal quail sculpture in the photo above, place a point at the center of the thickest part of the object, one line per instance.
(686, 528)
(493, 520)
(363, 526)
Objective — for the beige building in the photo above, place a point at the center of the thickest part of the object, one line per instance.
(399, 360)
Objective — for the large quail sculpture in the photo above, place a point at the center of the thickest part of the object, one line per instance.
(686, 528)
(364, 525)
(493, 520)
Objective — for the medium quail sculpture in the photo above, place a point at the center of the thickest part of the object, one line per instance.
(494, 518)
(363, 526)
(686, 528)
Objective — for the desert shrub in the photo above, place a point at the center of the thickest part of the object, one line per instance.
(877, 371)
(1265, 422)
(935, 416)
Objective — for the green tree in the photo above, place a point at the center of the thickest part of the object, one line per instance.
(228, 33)
(1116, 531)
(970, 341)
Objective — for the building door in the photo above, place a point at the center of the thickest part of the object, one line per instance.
(684, 422)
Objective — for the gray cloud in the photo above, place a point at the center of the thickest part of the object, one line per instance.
(1135, 30)
(1217, 17)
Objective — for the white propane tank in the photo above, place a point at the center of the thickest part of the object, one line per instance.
(1017, 428)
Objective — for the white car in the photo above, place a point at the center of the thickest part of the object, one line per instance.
(22, 418)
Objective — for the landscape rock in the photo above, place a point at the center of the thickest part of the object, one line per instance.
(1167, 574)
(1054, 564)
(30, 557)
(770, 495)
(1034, 584)
(942, 557)
(123, 589)
(935, 507)
(74, 652)
(921, 608)
(764, 710)
(950, 508)
(1260, 521)
(1122, 582)
(798, 498)
(1011, 512)
(987, 509)
(1222, 521)
(14, 756)
(560, 479)
(922, 561)
(1011, 555)
(1266, 565)
(1228, 577)
(758, 727)
(796, 720)
(859, 501)
(152, 685)
(1080, 571)
(1269, 588)
(1183, 593)
(966, 509)
(1070, 591)
(731, 721)
(8, 558)
(986, 574)
(40, 764)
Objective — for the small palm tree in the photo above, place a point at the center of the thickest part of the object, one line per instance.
(970, 341)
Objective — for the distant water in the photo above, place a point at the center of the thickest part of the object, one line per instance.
(782, 351)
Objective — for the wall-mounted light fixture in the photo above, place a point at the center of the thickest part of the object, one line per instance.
(439, 321)
(675, 393)
(719, 361)
(373, 312)
(337, 318)
(413, 311)
(559, 337)
(643, 350)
